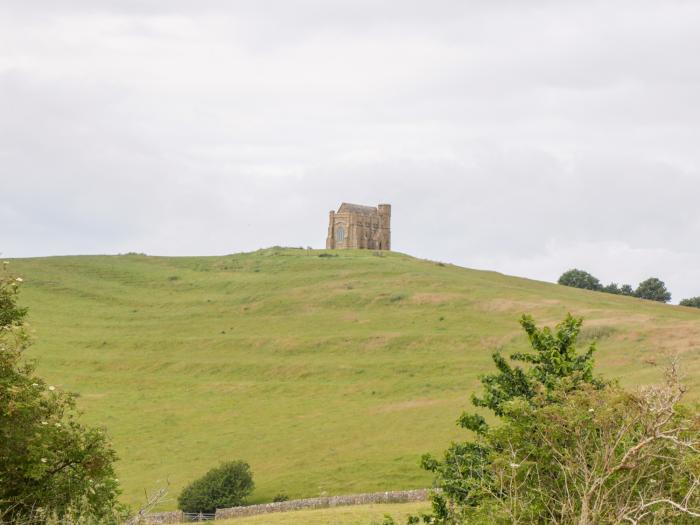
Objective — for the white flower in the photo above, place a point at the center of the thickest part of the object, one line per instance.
(591, 410)
(19, 280)
(44, 423)
(35, 384)
(43, 460)
(58, 425)
(52, 388)
(514, 465)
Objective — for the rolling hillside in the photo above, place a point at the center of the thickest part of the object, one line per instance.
(329, 373)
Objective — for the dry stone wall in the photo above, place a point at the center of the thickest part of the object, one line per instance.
(399, 496)
(159, 518)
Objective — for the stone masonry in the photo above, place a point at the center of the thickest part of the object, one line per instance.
(356, 226)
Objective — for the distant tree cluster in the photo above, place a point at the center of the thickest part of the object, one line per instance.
(693, 301)
(653, 289)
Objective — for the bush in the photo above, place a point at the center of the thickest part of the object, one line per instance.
(626, 289)
(580, 279)
(51, 466)
(569, 448)
(279, 498)
(227, 485)
(693, 302)
(553, 363)
(653, 289)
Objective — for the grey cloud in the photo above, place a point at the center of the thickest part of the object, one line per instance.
(525, 137)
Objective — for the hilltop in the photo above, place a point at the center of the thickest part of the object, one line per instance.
(328, 372)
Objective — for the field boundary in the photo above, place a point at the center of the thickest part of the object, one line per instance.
(396, 496)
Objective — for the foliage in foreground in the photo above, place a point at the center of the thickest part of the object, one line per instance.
(51, 466)
(593, 457)
(227, 485)
(570, 449)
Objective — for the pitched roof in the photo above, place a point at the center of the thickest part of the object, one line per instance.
(356, 208)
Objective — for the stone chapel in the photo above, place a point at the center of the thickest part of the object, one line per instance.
(356, 226)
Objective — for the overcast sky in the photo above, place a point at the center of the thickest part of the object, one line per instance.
(527, 137)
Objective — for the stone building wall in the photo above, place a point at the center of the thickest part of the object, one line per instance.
(360, 227)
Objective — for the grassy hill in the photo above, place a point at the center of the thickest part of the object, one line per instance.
(329, 374)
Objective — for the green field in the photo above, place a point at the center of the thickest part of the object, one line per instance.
(329, 375)
(356, 515)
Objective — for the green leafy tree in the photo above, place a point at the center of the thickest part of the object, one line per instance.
(595, 456)
(227, 485)
(553, 365)
(653, 289)
(693, 302)
(51, 466)
(580, 279)
(627, 290)
(612, 288)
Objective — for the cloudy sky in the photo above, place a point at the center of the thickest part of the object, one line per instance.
(524, 137)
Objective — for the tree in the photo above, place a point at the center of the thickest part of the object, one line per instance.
(554, 364)
(51, 466)
(626, 289)
(594, 456)
(612, 288)
(653, 289)
(693, 302)
(580, 279)
(227, 485)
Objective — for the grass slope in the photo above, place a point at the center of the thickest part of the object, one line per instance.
(328, 374)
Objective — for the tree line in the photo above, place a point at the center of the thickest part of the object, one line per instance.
(652, 289)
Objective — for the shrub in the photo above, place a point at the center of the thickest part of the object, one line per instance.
(227, 485)
(626, 289)
(553, 362)
(580, 279)
(653, 289)
(570, 448)
(693, 302)
(593, 456)
(279, 498)
(612, 288)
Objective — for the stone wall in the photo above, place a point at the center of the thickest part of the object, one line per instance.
(164, 517)
(400, 496)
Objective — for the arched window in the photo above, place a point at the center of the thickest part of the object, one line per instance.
(340, 234)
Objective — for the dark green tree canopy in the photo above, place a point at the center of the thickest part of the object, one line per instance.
(227, 485)
(626, 289)
(612, 288)
(693, 301)
(580, 279)
(653, 289)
